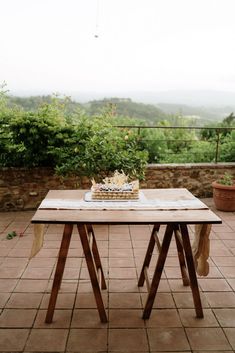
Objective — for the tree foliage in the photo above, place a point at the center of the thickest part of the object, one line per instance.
(72, 141)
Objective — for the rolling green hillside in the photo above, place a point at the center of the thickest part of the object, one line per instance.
(125, 107)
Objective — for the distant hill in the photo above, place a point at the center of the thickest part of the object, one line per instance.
(205, 113)
(120, 106)
(33, 102)
(195, 98)
(126, 107)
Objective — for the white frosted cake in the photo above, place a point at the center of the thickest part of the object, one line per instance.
(116, 187)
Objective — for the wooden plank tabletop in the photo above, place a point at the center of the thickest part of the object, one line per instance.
(191, 216)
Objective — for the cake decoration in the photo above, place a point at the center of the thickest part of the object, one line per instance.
(116, 187)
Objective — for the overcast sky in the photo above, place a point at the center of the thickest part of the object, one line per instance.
(142, 45)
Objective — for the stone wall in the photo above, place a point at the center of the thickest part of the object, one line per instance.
(23, 189)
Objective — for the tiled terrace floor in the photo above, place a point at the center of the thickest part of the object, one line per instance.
(25, 287)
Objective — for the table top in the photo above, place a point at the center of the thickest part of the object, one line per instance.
(133, 216)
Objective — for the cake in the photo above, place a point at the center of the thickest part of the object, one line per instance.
(116, 187)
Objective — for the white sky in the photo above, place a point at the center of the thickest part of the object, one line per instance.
(143, 45)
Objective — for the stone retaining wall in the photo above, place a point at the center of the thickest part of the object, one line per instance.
(23, 189)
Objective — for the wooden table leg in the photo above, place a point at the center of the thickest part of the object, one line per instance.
(191, 270)
(92, 271)
(96, 255)
(59, 271)
(180, 251)
(148, 255)
(158, 271)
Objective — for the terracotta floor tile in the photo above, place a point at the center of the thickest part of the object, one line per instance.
(212, 339)
(121, 253)
(226, 317)
(102, 244)
(228, 271)
(214, 272)
(172, 261)
(139, 252)
(172, 272)
(230, 243)
(84, 274)
(122, 262)
(232, 251)
(47, 340)
(13, 339)
(221, 252)
(10, 272)
(185, 300)
(53, 236)
(23, 244)
(119, 318)
(17, 318)
(164, 318)
(163, 287)
(67, 286)
(129, 285)
(47, 253)
(75, 252)
(221, 228)
(3, 299)
(84, 286)
(61, 319)
(87, 340)
(55, 228)
(140, 244)
(230, 333)
(128, 340)
(31, 286)
(87, 318)
(37, 273)
(5, 243)
(166, 339)
(64, 301)
(87, 300)
(39, 262)
(24, 300)
(119, 229)
(124, 300)
(224, 260)
(225, 235)
(232, 283)
(176, 285)
(19, 262)
(162, 300)
(19, 253)
(71, 273)
(7, 285)
(122, 273)
(4, 252)
(221, 299)
(73, 262)
(52, 244)
(214, 285)
(117, 244)
(119, 237)
(189, 319)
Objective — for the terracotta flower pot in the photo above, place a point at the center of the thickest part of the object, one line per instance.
(224, 196)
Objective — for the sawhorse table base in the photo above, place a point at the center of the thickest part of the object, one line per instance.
(185, 255)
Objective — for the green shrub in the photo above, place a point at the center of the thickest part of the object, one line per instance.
(99, 148)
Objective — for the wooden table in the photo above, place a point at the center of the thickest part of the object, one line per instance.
(176, 222)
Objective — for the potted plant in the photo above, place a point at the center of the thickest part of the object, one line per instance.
(224, 193)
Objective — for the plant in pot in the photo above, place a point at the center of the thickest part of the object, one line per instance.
(224, 193)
